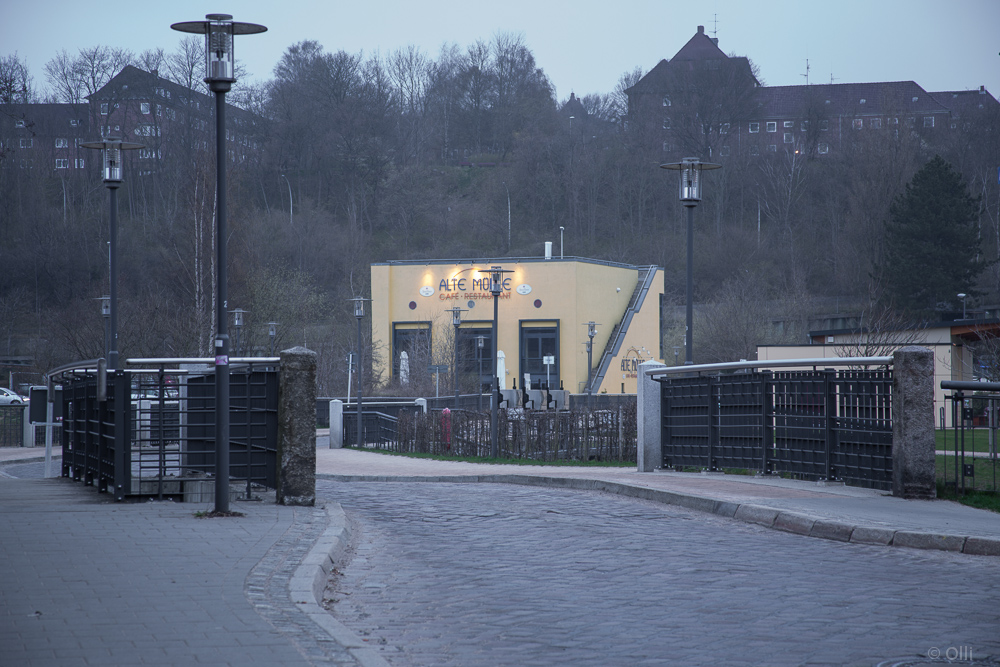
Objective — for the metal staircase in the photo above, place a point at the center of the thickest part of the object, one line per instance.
(646, 276)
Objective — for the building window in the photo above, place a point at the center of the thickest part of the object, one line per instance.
(104, 108)
(789, 139)
(824, 125)
(875, 123)
(928, 121)
(805, 126)
(772, 148)
(724, 128)
(666, 123)
(892, 121)
(19, 123)
(772, 126)
(79, 163)
(789, 123)
(822, 149)
(538, 342)
(858, 123)
(74, 123)
(754, 150)
(27, 143)
(471, 358)
(62, 163)
(147, 131)
(413, 338)
(863, 100)
(754, 128)
(62, 143)
(724, 151)
(144, 108)
(666, 101)
(666, 147)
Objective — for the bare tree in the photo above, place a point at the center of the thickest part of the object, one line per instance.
(16, 85)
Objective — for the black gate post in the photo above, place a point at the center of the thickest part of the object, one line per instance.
(122, 442)
(767, 432)
(830, 396)
(712, 415)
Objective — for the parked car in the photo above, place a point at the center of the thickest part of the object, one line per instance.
(8, 397)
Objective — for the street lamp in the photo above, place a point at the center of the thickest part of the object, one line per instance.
(359, 313)
(456, 321)
(480, 344)
(106, 312)
(690, 169)
(111, 173)
(962, 297)
(591, 332)
(561, 255)
(238, 325)
(220, 74)
(496, 289)
(272, 332)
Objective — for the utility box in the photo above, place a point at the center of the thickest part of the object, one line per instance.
(38, 397)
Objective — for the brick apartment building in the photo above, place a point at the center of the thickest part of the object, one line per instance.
(703, 102)
(134, 105)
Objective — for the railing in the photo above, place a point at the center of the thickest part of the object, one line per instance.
(602, 435)
(12, 425)
(820, 424)
(967, 457)
(150, 429)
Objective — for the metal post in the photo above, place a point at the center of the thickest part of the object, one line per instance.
(495, 392)
(689, 313)
(590, 368)
(221, 309)
(113, 352)
(455, 369)
(360, 390)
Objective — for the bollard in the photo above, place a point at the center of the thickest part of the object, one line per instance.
(913, 462)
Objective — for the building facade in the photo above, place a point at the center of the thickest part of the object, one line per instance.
(705, 103)
(544, 313)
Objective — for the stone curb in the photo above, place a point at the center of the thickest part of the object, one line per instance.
(309, 581)
(790, 522)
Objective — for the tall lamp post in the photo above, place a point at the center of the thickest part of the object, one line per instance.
(456, 321)
(238, 325)
(111, 173)
(690, 169)
(496, 289)
(480, 345)
(272, 332)
(591, 332)
(359, 313)
(963, 297)
(106, 312)
(220, 75)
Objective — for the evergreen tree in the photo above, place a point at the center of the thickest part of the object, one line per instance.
(932, 248)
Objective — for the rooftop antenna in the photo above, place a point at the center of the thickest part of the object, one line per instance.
(833, 78)
(806, 75)
(715, 26)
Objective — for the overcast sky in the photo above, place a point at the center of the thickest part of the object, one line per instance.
(584, 46)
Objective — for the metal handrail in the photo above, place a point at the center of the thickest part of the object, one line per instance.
(157, 361)
(959, 385)
(774, 363)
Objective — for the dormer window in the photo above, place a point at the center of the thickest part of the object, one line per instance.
(863, 100)
(666, 101)
(19, 123)
(914, 99)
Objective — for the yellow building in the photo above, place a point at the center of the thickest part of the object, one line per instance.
(543, 313)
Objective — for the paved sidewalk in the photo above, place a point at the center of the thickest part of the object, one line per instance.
(834, 511)
(86, 580)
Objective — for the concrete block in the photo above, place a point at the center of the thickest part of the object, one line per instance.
(764, 516)
(869, 535)
(982, 546)
(794, 523)
(649, 453)
(297, 427)
(832, 530)
(914, 540)
(913, 461)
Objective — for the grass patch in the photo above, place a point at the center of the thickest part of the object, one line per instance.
(504, 461)
(984, 500)
(976, 440)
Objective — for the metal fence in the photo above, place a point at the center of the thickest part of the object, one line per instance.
(11, 425)
(967, 453)
(579, 435)
(151, 431)
(812, 424)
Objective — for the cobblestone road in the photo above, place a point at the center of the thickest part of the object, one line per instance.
(455, 574)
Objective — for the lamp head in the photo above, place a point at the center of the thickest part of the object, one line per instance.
(690, 169)
(220, 62)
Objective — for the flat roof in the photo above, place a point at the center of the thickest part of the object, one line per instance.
(508, 260)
